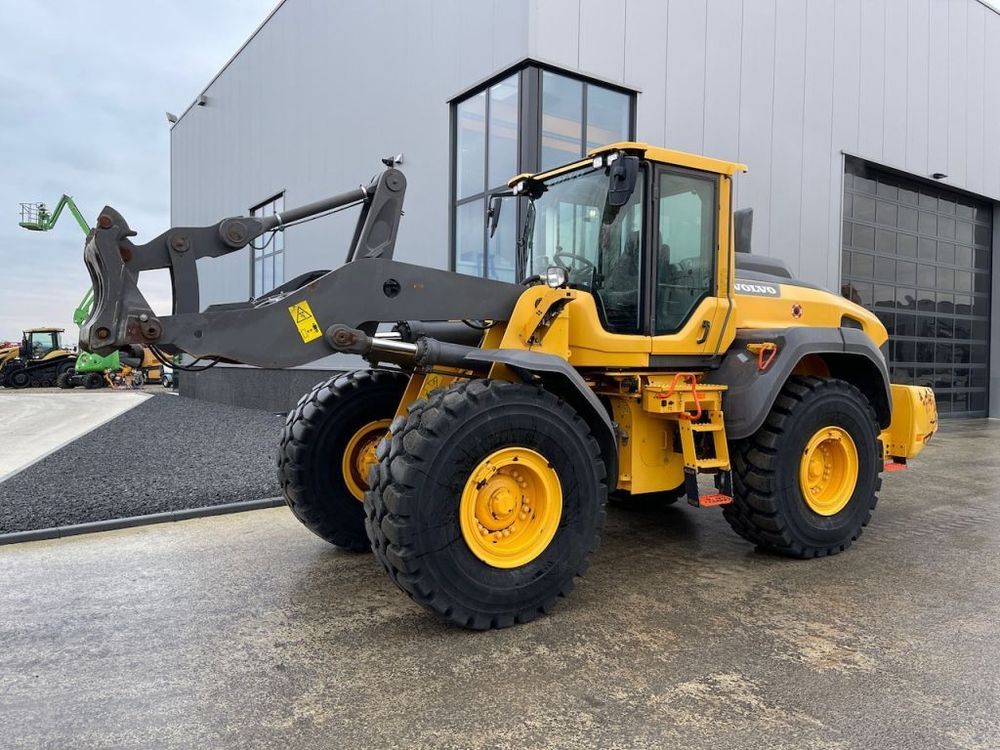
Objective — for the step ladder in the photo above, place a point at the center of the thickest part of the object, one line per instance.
(696, 408)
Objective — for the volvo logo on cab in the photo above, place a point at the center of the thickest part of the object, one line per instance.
(757, 288)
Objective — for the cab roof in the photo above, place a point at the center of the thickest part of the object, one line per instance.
(645, 150)
(44, 329)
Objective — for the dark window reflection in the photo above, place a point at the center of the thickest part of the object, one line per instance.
(921, 258)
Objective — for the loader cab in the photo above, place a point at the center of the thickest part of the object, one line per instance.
(658, 264)
(37, 343)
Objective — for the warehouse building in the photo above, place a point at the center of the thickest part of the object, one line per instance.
(869, 126)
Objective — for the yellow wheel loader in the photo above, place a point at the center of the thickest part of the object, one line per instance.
(639, 353)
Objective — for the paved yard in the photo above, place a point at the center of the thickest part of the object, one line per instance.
(246, 631)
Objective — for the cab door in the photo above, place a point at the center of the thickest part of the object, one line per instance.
(689, 303)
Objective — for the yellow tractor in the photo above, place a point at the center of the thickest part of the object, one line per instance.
(641, 350)
(38, 361)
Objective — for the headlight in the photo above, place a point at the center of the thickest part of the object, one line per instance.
(555, 276)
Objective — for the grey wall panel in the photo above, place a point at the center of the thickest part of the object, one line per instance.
(958, 34)
(975, 73)
(756, 115)
(896, 77)
(685, 84)
(313, 101)
(646, 30)
(722, 78)
(787, 168)
(602, 37)
(938, 99)
(786, 86)
(554, 31)
(871, 92)
(991, 108)
(820, 177)
(917, 84)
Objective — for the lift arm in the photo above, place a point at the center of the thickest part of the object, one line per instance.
(289, 325)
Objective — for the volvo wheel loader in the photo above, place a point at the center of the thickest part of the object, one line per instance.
(638, 353)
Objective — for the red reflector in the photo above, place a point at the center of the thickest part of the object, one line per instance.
(894, 466)
(707, 501)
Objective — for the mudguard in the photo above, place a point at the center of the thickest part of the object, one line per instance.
(558, 376)
(751, 393)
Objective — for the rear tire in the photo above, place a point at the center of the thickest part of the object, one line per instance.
(769, 507)
(93, 380)
(418, 505)
(313, 442)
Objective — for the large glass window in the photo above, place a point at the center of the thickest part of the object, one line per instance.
(686, 257)
(267, 264)
(486, 138)
(601, 251)
(527, 121)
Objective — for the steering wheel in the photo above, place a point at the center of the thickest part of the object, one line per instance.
(577, 263)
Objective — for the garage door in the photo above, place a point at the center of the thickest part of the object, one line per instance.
(919, 257)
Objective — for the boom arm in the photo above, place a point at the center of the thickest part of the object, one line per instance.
(286, 326)
(36, 217)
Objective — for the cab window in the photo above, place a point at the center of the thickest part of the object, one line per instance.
(601, 252)
(43, 343)
(686, 217)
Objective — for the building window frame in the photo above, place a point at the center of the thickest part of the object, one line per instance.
(529, 75)
(270, 252)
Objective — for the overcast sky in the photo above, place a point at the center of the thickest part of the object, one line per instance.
(83, 91)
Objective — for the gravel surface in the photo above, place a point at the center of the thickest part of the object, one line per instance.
(168, 453)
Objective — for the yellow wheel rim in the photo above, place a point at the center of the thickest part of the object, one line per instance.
(359, 456)
(828, 471)
(511, 506)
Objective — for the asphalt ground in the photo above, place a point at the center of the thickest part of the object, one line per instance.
(246, 631)
(167, 453)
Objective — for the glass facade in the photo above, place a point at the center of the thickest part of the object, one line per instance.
(267, 264)
(919, 256)
(526, 121)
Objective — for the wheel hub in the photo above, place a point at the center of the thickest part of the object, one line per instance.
(359, 456)
(510, 507)
(828, 471)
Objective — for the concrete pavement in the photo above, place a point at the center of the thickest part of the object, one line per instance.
(38, 421)
(246, 631)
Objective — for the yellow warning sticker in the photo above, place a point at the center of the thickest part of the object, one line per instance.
(305, 321)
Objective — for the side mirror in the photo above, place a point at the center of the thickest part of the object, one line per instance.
(496, 203)
(622, 176)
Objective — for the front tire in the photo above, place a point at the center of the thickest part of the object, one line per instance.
(65, 379)
(487, 502)
(18, 379)
(806, 483)
(326, 440)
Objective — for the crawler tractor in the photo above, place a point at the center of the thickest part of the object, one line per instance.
(638, 353)
(39, 361)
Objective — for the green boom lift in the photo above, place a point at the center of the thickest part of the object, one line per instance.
(90, 368)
